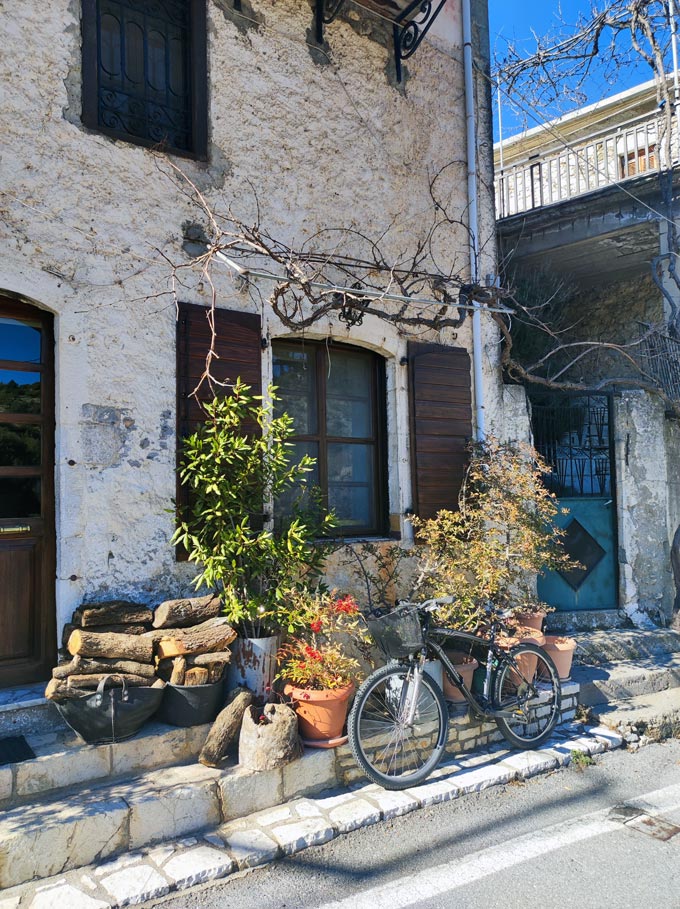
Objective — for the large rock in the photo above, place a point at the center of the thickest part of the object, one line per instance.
(269, 737)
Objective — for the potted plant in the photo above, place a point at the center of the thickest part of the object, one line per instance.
(316, 665)
(236, 465)
(502, 536)
(561, 649)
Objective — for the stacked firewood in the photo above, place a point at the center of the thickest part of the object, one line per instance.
(184, 642)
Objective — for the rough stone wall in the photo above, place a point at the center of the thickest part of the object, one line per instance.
(642, 469)
(314, 138)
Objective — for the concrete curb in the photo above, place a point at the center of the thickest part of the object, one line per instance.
(264, 836)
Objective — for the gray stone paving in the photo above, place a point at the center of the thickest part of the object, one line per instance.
(266, 835)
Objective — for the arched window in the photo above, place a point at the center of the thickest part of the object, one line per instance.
(336, 397)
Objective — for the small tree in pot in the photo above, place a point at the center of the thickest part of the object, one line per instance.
(502, 536)
(237, 464)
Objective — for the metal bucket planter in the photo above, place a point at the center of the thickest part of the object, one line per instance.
(253, 665)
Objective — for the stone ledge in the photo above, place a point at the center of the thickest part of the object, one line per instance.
(267, 835)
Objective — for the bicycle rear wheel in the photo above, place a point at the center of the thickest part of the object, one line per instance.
(390, 751)
(530, 691)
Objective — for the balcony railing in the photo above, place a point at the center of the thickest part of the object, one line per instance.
(565, 170)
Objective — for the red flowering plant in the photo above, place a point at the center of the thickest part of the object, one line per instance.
(322, 627)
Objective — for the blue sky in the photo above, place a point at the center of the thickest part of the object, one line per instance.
(513, 21)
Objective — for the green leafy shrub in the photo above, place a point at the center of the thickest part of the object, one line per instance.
(237, 465)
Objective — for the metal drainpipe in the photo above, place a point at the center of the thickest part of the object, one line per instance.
(473, 216)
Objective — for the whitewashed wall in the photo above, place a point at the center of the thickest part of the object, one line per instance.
(85, 219)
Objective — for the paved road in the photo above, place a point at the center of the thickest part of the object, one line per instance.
(604, 836)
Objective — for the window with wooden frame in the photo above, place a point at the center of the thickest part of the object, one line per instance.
(145, 72)
(336, 397)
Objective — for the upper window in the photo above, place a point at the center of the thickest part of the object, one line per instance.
(144, 72)
(335, 395)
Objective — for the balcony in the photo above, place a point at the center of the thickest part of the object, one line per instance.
(570, 163)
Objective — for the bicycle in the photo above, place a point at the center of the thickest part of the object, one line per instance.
(398, 725)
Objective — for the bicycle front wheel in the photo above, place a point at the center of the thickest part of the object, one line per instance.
(529, 692)
(396, 744)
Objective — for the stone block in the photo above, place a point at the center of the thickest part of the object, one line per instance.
(149, 750)
(64, 895)
(434, 792)
(529, 763)
(302, 833)
(483, 777)
(393, 804)
(606, 736)
(249, 846)
(243, 792)
(173, 811)
(66, 768)
(313, 772)
(135, 884)
(195, 738)
(38, 841)
(5, 783)
(353, 814)
(204, 863)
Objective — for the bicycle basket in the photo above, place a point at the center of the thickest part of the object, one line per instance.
(398, 634)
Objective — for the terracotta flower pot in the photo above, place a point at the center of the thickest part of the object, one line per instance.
(561, 649)
(321, 714)
(532, 618)
(524, 635)
(465, 666)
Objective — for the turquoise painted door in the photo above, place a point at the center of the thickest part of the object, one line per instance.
(574, 435)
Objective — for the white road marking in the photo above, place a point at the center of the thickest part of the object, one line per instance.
(432, 882)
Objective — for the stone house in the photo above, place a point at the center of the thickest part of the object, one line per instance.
(128, 124)
(590, 201)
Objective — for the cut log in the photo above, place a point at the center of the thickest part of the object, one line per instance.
(179, 668)
(116, 680)
(269, 737)
(196, 676)
(226, 727)
(120, 629)
(207, 659)
(112, 646)
(209, 637)
(215, 671)
(83, 666)
(61, 689)
(114, 612)
(182, 613)
(69, 627)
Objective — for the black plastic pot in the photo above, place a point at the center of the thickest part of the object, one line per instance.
(190, 705)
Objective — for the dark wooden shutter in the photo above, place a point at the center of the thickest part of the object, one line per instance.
(441, 424)
(238, 345)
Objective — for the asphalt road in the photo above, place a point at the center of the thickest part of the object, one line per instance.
(566, 839)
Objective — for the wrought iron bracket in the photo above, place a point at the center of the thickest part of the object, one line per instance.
(326, 12)
(409, 27)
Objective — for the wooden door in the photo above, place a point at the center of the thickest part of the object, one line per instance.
(27, 535)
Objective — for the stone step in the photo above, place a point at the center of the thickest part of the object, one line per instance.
(261, 836)
(87, 824)
(655, 715)
(613, 682)
(25, 710)
(63, 760)
(597, 647)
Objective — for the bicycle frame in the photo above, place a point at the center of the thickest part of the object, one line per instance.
(482, 706)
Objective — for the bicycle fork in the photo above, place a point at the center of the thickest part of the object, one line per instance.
(412, 693)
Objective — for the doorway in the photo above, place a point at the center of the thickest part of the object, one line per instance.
(574, 434)
(27, 530)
